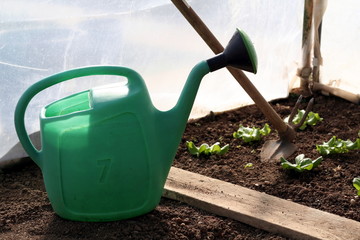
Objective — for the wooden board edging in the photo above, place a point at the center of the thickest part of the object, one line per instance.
(258, 209)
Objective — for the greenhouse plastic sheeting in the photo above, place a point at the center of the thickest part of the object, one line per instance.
(39, 38)
(340, 46)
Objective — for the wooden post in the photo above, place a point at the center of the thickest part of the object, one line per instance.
(319, 10)
(306, 45)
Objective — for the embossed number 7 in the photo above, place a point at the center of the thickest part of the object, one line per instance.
(105, 163)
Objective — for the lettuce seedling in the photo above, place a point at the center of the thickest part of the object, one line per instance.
(337, 145)
(248, 165)
(248, 134)
(311, 119)
(356, 184)
(205, 149)
(301, 163)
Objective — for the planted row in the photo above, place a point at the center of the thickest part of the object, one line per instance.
(250, 134)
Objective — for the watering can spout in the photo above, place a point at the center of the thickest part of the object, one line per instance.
(239, 53)
(171, 124)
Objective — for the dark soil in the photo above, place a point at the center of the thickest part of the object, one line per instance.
(328, 187)
(25, 212)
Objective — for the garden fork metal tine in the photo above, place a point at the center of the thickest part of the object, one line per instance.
(295, 109)
(308, 109)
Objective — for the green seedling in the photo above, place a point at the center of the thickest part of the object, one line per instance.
(311, 119)
(301, 163)
(248, 165)
(337, 145)
(250, 134)
(356, 184)
(205, 149)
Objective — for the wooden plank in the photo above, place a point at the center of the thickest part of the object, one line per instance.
(258, 209)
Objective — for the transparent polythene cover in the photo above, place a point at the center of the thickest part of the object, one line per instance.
(39, 38)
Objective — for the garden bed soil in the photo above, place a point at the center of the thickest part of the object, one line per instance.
(25, 212)
(328, 187)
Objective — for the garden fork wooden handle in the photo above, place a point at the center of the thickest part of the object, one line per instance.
(285, 131)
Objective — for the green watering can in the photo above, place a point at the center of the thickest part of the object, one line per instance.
(106, 152)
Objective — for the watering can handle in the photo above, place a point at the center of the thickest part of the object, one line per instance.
(55, 79)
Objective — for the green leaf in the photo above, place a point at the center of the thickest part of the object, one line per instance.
(356, 184)
(224, 149)
(192, 148)
(311, 119)
(250, 134)
(299, 159)
(317, 162)
(215, 148)
(351, 145)
(248, 165)
(337, 145)
(301, 163)
(286, 164)
(205, 149)
(266, 130)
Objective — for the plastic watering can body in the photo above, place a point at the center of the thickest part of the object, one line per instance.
(106, 152)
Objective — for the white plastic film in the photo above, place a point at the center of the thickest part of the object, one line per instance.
(340, 45)
(39, 38)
